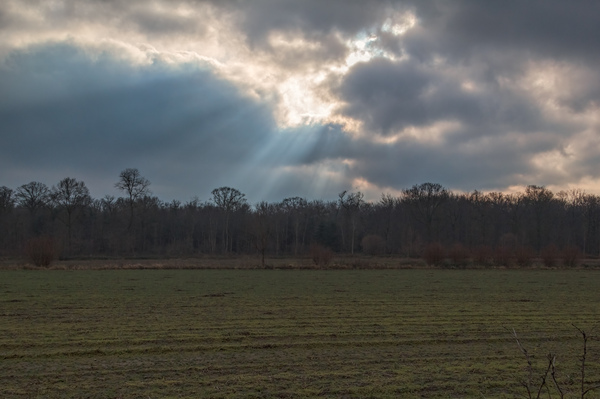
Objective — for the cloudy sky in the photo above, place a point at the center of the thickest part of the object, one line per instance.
(283, 98)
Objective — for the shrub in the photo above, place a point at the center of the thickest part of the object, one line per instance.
(458, 254)
(502, 256)
(483, 255)
(41, 251)
(434, 254)
(550, 255)
(570, 255)
(321, 255)
(524, 256)
(373, 244)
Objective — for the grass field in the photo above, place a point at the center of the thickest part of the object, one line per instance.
(291, 333)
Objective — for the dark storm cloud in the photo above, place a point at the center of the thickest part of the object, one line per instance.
(153, 19)
(328, 24)
(67, 113)
(551, 28)
(405, 164)
(502, 37)
(390, 96)
(157, 23)
(311, 18)
(81, 116)
(498, 162)
(490, 39)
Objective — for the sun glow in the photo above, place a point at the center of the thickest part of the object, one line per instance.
(300, 102)
(302, 99)
(399, 23)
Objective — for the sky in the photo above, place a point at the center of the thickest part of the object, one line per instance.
(283, 98)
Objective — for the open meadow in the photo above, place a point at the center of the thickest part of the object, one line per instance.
(293, 333)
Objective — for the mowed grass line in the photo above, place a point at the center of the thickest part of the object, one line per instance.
(293, 333)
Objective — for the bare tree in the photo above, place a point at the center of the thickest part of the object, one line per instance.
(538, 199)
(261, 228)
(135, 187)
(425, 200)
(33, 196)
(7, 199)
(296, 206)
(480, 212)
(7, 203)
(350, 204)
(228, 200)
(70, 195)
(387, 205)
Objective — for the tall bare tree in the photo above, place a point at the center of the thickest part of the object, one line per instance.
(261, 228)
(228, 200)
(33, 196)
(7, 203)
(135, 187)
(70, 195)
(387, 206)
(538, 200)
(7, 199)
(350, 204)
(425, 200)
(296, 207)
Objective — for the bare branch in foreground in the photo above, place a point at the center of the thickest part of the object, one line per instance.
(529, 364)
(552, 360)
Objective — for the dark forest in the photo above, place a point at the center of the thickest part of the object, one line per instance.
(482, 226)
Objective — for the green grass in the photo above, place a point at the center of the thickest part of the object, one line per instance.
(291, 333)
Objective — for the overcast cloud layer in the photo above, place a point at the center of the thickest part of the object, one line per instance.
(301, 98)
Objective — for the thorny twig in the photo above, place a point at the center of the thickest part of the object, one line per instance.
(529, 365)
(551, 369)
(552, 360)
(543, 383)
(583, 356)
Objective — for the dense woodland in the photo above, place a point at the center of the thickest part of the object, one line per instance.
(139, 224)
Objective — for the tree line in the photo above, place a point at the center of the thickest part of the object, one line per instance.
(140, 224)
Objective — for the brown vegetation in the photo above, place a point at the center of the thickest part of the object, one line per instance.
(434, 254)
(502, 256)
(570, 256)
(41, 251)
(373, 244)
(524, 256)
(483, 255)
(550, 255)
(459, 255)
(321, 255)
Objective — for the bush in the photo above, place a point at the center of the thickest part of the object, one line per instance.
(524, 256)
(550, 255)
(502, 256)
(321, 255)
(434, 254)
(41, 251)
(570, 255)
(459, 255)
(373, 244)
(483, 255)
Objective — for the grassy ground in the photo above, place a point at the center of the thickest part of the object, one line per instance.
(291, 333)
